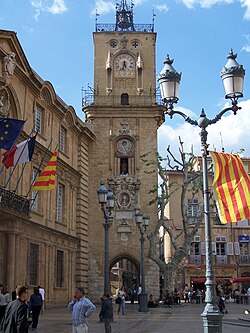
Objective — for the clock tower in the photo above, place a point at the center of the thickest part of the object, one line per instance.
(125, 117)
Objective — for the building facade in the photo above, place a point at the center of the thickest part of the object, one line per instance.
(43, 235)
(230, 242)
(125, 118)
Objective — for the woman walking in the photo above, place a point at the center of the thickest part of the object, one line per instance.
(122, 295)
(36, 303)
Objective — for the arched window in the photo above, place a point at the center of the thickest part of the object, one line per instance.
(124, 99)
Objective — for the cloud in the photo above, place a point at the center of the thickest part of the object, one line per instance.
(209, 3)
(58, 7)
(28, 29)
(246, 3)
(55, 7)
(103, 7)
(162, 8)
(231, 133)
(246, 47)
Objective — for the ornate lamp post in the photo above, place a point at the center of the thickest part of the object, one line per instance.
(232, 76)
(142, 223)
(107, 200)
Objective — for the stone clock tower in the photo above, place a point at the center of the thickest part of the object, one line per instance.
(125, 117)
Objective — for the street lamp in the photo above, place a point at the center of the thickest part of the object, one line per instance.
(107, 201)
(142, 223)
(232, 76)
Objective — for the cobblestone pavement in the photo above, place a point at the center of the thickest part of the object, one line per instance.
(184, 318)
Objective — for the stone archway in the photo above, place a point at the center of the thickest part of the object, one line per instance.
(124, 271)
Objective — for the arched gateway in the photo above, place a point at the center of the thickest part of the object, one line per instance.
(124, 65)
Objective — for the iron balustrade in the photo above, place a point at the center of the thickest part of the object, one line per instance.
(102, 27)
(195, 259)
(245, 259)
(221, 259)
(11, 201)
(115, 100)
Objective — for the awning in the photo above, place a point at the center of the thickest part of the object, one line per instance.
(240, 279)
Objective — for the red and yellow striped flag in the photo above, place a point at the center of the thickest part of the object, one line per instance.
(231, 187)
(46, 180)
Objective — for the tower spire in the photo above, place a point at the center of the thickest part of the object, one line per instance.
(124, 16)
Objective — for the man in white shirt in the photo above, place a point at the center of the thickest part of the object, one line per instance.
(42, 292)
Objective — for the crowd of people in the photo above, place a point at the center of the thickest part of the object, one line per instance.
(18, 311)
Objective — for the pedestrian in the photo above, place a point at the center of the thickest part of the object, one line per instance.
(42, 292)
(151, 302)
(122, 295)
(16, 314)
(139, 292)
(4, 300)
(106, 313)
(81, 308)
(185, 293)
(13, 294)
(36, 303)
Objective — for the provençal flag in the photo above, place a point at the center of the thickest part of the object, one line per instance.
(46, 179)
(231, 186)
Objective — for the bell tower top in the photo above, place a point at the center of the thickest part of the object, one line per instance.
(124, 17)
(124, 20)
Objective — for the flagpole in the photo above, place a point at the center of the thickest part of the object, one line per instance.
(23, 167)
(34, 199)
(39, 167)
(13, 144)
(14, 168)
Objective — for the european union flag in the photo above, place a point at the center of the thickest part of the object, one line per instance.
(9, 131)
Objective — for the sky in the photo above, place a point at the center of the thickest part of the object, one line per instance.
(56, 36)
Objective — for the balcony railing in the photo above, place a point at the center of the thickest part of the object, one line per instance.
(195, 259)
(221, 259)
(115, 100)
(245, 259)
(13, 202)
(102, 27)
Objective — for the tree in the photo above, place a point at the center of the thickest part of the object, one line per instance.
(180, 238)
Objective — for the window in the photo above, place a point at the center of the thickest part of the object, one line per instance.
(59, 268)
(33, 264)
(124, 166)
(195, 249)
(243, 223)
(246, 166)
(60, 202)
(38, 119)
(62, 141)
(124, 99)
(34, 194)
(193, 208)
(221, 245)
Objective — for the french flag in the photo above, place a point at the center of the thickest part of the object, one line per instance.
(20, 153)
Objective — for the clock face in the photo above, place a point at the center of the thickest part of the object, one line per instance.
(124, 65)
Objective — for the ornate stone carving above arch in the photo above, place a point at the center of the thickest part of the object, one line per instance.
(126, 191)
(46, 96)
(125, 130)
(70, 116)
(124, 147)
(9, 103)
